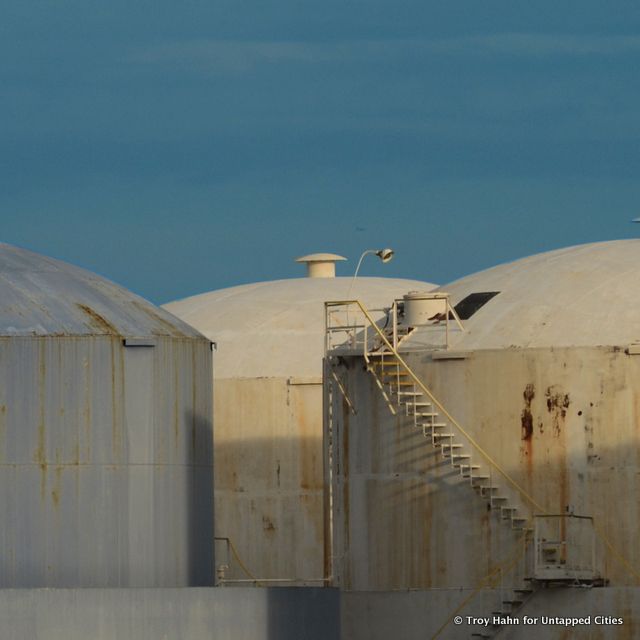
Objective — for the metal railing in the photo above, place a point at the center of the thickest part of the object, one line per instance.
(391, 350)
(348, 326)
(565, 547)
(227, 558)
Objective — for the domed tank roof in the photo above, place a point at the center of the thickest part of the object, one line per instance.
(277, 328)
(41, 296)
(586, 295)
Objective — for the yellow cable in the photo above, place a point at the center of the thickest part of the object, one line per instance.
(239, 561)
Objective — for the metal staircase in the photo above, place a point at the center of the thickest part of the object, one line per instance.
(404, 397)
(564, 556)
(378, 341)
(400, 390)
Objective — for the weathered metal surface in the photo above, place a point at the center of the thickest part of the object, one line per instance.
(268, 417)
(44, 296)
(105, 449)
(188, 614)
(587, 295)
(417, 615)
(562, 422)
(276, 329)
(105, 462)
(268, 476)
(544, 388)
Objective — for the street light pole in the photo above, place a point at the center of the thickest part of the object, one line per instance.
(384, 254)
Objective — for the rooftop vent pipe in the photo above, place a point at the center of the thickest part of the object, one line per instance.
(321, 265)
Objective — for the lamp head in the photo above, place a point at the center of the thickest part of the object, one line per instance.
(385, 254)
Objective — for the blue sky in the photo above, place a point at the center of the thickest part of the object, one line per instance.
(182, 147)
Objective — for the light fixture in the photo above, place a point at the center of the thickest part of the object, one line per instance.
(384, 254)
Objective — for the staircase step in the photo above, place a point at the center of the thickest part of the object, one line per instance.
(499, 498)
(451, 446)
(467, 469)
(461, 456)
(513, 603)
(523, 591)
(406, 393)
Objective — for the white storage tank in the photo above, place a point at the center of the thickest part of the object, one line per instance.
(268, 414)
(545, 378)
(105, 434)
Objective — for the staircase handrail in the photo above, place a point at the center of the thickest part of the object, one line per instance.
(492, 463)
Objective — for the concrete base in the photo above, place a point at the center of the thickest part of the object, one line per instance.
(170, 614)
(417, 615)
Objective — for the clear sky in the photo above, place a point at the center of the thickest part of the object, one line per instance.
(179, 147)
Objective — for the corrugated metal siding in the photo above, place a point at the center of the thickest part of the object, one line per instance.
(106, 475)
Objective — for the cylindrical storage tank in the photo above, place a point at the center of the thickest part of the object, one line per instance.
(421, 306)
(545, 378)
(106, 475)
(268, 414)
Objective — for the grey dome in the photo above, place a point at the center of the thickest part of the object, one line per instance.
(43, 296)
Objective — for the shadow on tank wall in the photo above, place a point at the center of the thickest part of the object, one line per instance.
(200, 509)
(269, 502)
(571, 441)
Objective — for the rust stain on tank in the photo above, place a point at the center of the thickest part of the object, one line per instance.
(40, 455)
(267, 524)
(57, 487)
(526, 427)
(115, 421)
(86, 409)
(526, 417)
(170, 328)
(97, 320)
(557, 404)
(310, 446)
(176, 420)
(3, 427)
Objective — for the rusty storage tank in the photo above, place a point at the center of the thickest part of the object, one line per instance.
(268, 414)
(105, 434)
(545, 379)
